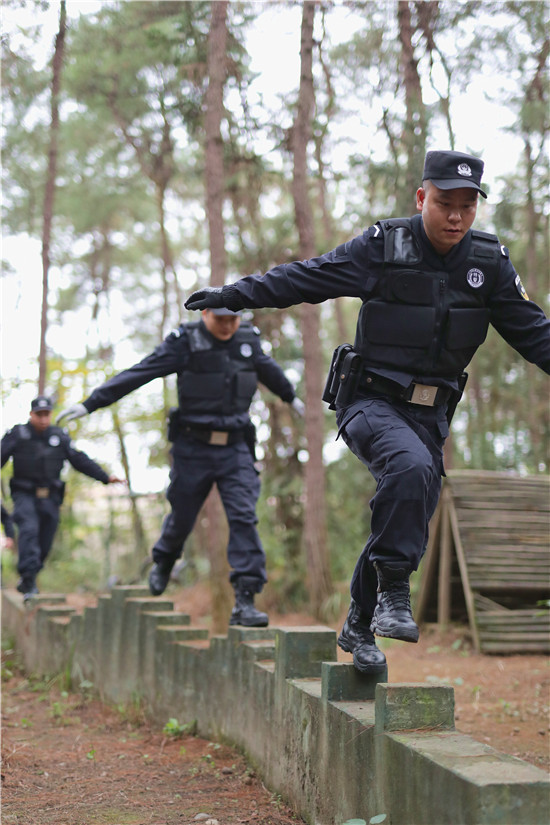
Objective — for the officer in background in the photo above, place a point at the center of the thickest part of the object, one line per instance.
(218, 361)
(429, 286)
(39, 451)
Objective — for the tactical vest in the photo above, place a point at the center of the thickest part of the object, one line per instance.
(38, 458)
(423, 320)
(218, 380)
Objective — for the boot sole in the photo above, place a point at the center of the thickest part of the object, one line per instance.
(403, 635)
(247, 624)
(344, 645)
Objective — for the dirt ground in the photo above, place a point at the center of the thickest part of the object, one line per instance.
(68, 760)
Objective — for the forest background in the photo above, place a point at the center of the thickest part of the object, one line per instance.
(146, 153)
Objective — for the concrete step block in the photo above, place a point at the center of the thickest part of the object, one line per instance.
(149, 603)
(47, 598)
(179, 632)
(414, 706)
(238, 633)
(164, 617)
(342, 682)
(261, 650)
(299, 651)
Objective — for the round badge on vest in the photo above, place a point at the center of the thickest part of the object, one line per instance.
(475, 278)
(54, 441)
(246, 350)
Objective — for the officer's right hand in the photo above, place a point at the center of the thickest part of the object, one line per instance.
(76, 411)
(209, 297)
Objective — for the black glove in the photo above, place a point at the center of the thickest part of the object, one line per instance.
(210, 297)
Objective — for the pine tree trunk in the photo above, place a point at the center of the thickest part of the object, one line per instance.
(49, 193)
(214, 180)
(415, 126)
(315, 536)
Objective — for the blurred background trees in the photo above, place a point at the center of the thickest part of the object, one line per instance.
(144, 153)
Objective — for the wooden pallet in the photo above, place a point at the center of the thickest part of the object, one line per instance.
(491, 532)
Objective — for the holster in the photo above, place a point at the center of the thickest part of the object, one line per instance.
(57, 491)
(343, 376)
(250, 439)
(173, 423)
(455, 397)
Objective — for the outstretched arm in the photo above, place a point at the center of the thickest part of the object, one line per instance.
(163, 361)
(339, 272)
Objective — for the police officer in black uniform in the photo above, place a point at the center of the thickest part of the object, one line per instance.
(218, 361)
(429, 285)
(39, 451)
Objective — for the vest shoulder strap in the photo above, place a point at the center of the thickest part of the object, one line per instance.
(22, 432)
(486, 248)
(400, 244)
(198, 342)
(246, 333)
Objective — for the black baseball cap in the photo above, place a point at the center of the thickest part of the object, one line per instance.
(453, 170)
(41, 402)
(223, 311)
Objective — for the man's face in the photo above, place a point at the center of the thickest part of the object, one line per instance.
(222, 327)
(447, 214)
(40, 419)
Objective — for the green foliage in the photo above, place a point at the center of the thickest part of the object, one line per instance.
(174, 730)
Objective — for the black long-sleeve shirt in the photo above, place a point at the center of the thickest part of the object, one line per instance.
(39, 446)
(346, 271)
(173, 356)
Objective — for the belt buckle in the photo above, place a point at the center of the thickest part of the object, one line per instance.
(220, 438)
(424, 394)
(42, 492)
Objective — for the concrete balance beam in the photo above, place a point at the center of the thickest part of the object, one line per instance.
(334, 743)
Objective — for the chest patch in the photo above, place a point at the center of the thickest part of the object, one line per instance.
(246, 350)
(475, 278)
(520, 288)
(54, 441)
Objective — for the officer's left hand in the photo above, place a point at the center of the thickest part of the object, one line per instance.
(76, 411)
(210, 297)
(298, 406)
(116, 480)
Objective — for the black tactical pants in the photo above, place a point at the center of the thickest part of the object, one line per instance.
(197, 467)
(37, 520)
(402, 445)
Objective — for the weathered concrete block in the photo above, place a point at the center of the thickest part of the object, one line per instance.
(85, 660)
(299, 651)
(413, 706)
(340, 681)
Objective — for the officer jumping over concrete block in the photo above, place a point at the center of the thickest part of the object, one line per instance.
(218, 361)
(429, 285)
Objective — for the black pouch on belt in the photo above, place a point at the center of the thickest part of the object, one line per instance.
(173, 423)
(332, 385)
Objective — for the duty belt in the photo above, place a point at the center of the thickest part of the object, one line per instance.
(220, 438)
(24, 485)
(426, 395)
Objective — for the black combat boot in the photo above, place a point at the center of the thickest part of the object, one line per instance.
(392, 614)
(160, 576)
(244, 612)
(27, 586)
(356, 637)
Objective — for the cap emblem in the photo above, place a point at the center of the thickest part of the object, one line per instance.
(475, 278)
(464, 170)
